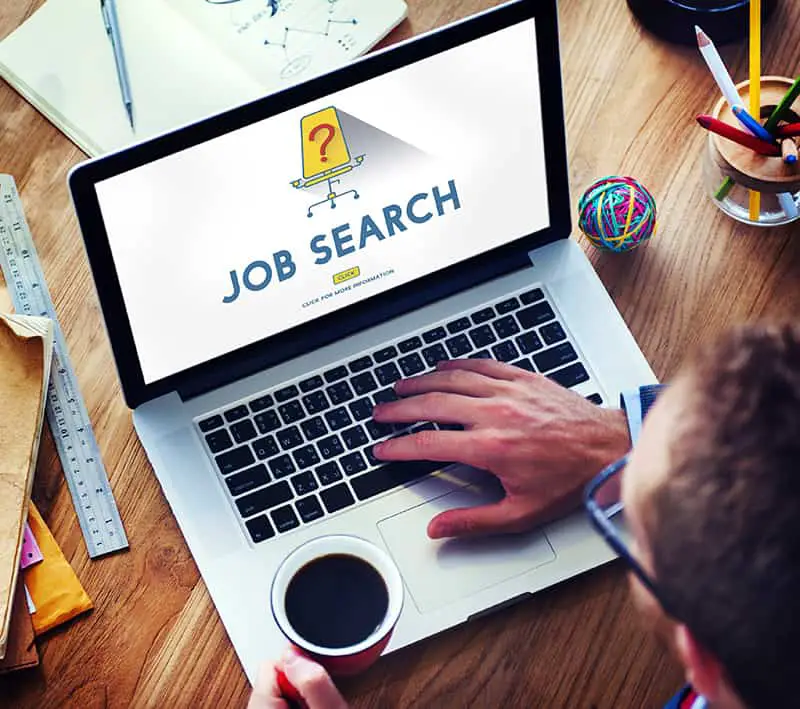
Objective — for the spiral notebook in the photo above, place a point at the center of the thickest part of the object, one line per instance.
(187, 59)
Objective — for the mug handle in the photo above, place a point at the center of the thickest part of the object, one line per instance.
(289, 692)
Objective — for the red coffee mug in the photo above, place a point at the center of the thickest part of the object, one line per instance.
(356, 658)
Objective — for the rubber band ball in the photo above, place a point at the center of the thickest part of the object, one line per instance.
(617, 214)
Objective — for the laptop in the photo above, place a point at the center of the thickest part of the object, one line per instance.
(267, 275)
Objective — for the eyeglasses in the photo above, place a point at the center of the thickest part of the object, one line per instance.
(606, 512)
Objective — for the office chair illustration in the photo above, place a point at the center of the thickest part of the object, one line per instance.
(325, 159)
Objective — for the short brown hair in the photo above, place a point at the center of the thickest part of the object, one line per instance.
(725, 525)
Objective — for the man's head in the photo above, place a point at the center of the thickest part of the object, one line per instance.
(712, 496)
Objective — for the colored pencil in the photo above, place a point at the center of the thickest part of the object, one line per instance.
(755, 90)
(752, 124)
(723, 78)
(790, 130)
(788, 204)
(726, 130)
(724, 189)
(789, 151)
(718, 69)
(790, 97)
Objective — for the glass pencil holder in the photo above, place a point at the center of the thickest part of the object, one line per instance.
(738, 179)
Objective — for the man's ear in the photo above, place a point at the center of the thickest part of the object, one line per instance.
(703, 671)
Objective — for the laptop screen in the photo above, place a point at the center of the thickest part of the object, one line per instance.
(301, 214)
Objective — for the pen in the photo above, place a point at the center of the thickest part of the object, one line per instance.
(738, 136)
(752, 124)
(717, 67)
(108, 9)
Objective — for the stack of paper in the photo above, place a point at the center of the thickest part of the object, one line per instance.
(26, 346)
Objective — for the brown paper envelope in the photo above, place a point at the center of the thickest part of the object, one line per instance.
(23, 365)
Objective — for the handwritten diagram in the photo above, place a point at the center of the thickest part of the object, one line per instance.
(279, 42)
(270, 9)
(289, 28)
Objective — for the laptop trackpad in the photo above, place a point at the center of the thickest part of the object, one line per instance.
(439, 572)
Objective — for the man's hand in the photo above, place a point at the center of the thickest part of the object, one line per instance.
(310, 680)
(543, 442)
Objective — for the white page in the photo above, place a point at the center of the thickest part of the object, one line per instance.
(180, 70)
(281, 42)
(62, 62)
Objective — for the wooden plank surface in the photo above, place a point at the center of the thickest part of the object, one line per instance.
(155, 640)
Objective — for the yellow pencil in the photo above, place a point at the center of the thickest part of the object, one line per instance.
(755, 87)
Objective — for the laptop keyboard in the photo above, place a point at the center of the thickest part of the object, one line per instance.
(294, 454)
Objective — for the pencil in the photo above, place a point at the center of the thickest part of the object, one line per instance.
(755, 87)
(724, 189)
(786, 102)
(726, 86)
(789, 151)
(788, 205)
(790, 130)
(726, 130)
(717, 68)
(751, 124)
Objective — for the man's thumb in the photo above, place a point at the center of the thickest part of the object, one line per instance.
(497, 518)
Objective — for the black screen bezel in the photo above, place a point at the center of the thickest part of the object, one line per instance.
(375, 309)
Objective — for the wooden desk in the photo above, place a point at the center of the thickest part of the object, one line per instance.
(155, 639)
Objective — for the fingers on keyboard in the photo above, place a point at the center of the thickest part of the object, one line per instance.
(306, 450)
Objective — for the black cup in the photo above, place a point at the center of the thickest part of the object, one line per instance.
(674, 20)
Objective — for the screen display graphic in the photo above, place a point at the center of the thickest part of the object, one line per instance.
(309, 211)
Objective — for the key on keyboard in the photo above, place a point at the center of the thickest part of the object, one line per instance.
(309, 508)
(264, 499)
(337, 498)
(390, 476)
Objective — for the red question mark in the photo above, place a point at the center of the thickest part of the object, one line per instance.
(324, 147)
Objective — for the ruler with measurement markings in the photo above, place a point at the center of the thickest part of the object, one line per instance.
(74, 438)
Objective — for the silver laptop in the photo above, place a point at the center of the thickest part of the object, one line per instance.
(267, 274)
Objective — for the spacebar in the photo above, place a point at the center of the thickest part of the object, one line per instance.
(392, 475)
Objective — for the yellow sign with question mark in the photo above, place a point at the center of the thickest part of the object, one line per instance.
(324, 145)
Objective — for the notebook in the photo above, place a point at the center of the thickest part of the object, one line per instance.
(187, 59)
(26, 346)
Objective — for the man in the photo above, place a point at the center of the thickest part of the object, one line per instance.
(711, 494)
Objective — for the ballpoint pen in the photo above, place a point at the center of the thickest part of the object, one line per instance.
(108, 9)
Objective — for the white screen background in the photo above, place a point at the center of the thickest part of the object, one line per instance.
(179, 225)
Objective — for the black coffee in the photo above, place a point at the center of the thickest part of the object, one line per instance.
(336, 601)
